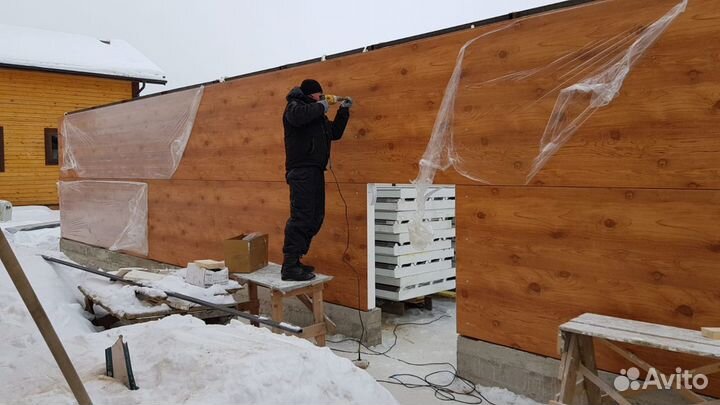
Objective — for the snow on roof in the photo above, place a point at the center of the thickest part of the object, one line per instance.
(59, 51)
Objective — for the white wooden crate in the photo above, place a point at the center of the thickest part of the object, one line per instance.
(414, 291)
(393, 249)
(389, 204)
(404, 237)
(408, 281)
(415, 258)
(392, 270)
(401, 270)
(410, 192)
(406, 216)
(385, 226)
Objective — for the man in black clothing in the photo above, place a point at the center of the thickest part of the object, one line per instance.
(308, 135)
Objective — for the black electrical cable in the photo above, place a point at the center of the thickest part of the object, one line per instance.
(442, 392)
(347, 262)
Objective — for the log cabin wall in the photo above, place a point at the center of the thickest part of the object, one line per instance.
(622, 221)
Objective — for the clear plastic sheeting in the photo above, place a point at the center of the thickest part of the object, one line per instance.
(144, 139)
(494, 136)
(108, 214)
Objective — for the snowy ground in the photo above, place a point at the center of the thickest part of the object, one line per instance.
(178, 360)
(434, 342)
(181, 360)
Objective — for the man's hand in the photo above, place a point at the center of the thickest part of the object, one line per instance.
(325, 105)
(347, 103)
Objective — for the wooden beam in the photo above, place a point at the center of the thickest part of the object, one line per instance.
(32, 303)
(600, 383)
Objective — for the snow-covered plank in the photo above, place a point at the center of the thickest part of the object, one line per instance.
(269, 277)
(644, 334)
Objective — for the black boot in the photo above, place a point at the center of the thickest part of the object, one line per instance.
(292, 271)
(306, 267)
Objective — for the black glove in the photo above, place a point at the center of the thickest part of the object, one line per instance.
(347, 103)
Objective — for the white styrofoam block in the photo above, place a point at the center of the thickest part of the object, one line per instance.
(390, 270)
(415, 258)
(394, 227)
(408, 281)
(201, 277)
(419, 291)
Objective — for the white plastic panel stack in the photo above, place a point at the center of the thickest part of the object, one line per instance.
(401, 271)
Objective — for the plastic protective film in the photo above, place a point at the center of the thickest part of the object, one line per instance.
(566, 83)
(144, 139)
(109, 214)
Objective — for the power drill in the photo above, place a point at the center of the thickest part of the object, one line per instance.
(333, 99)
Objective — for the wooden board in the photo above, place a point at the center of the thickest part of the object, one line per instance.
(190, 219)
(643, 334)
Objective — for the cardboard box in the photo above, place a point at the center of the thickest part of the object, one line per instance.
(211, 264)
(201, 277)
(246, 253)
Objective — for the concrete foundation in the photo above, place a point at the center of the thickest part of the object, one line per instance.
(528, 374)
(346, 319)
(101, 258)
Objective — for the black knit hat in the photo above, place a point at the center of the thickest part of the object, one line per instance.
(310, 86)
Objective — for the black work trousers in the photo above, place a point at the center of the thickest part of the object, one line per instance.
(307, 209)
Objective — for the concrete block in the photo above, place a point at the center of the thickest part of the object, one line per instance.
(97, 257)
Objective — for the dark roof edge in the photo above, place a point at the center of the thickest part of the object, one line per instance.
(488, 21)
(80, 73)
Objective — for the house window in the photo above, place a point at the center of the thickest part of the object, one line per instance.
(2, 151)
(51, 146)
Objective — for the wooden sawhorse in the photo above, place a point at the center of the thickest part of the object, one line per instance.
(577, 339)
(310, 293)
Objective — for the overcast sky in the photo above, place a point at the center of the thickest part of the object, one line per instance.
(196, 41)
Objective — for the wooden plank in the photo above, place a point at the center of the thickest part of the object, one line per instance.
(588, 323)
(586, 349)
(600, 383)
(276, 301)
(689, 395)
(319, 314)
(568, 380)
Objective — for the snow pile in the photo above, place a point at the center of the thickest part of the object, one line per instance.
(74, 53)
(175, 360)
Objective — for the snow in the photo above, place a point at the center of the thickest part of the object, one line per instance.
(178, 359)
(74, 53)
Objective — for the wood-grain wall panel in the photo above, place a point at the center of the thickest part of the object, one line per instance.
(531, 258)
(188, 220)
(640, 140)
